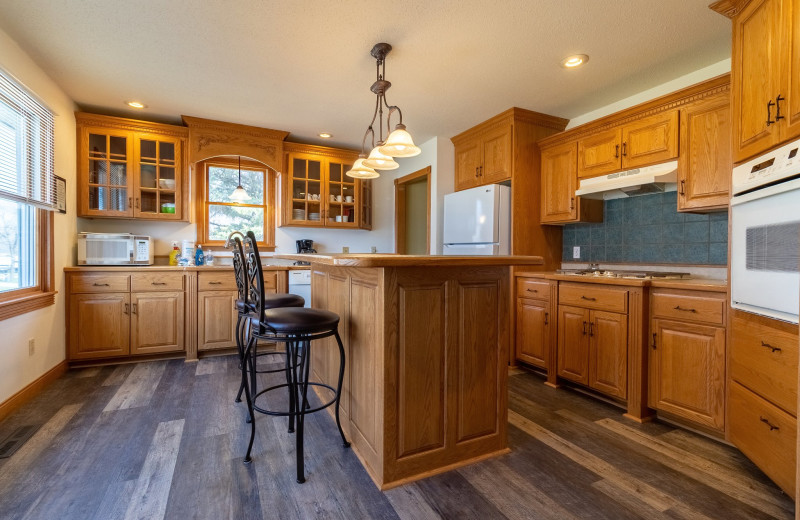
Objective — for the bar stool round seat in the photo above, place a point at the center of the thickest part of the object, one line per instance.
(295, 320)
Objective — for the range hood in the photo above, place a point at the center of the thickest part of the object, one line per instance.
(641, 181)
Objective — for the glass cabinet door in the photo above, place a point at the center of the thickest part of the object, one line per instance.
(158, 183)
(365, 204)
(108, 174)
(342, 196)
(305, 187)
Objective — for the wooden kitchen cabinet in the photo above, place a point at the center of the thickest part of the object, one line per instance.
(316, 190)
(98, 325)
(559, 182)
(484, 158)
(687, 356)
(131, 169)
(705, 163)
(533, 340)
(649, 140)
(593, 337)
(764, 72)
(157, 322)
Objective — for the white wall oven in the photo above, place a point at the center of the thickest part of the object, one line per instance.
(765, 234)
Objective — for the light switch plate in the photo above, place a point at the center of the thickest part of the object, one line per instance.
(576, 252)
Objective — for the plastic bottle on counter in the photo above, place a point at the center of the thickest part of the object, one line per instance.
(174, 254)
(199, 257)
(209, 256)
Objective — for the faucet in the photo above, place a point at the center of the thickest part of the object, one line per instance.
(229, 242)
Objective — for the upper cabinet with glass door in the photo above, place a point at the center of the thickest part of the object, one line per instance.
(316, 192)
(131, 169)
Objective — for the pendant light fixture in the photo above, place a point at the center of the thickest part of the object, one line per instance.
(239, 195)
(398, 143)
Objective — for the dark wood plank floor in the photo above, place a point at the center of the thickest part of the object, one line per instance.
(165, 440)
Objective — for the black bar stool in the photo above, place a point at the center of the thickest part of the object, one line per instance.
(245, 309)
(297, 328)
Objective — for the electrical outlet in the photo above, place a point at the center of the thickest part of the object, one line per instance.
(31, 346)
(373, 249)
(345, 249)
(576, 252)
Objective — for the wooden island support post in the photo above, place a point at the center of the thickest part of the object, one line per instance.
(426, 341)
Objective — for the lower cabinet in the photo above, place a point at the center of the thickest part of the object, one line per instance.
(216, 319)
(686, 370)
(533, 335)
(157, 322)
(593, 349)
(99, 325)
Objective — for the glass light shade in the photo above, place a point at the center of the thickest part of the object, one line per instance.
(239, 195)
(378, 161)
(359, 171)
(399, 144)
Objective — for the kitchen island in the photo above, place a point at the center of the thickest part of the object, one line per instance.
(426, 342)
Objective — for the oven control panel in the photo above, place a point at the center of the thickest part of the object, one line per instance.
(774, 166)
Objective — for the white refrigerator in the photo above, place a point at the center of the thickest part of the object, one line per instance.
(478, 221)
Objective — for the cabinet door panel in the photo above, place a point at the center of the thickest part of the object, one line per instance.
(608, 353)
(533, 325)
(791, 106)
(157, 189)
(106, 184)
(559, 181)
(468, 161)
(704, 166)
(216, 319)
(650, 140)
(99, 325)
(496, 156)
(573, 344)
(304, 194)
(157, 322)
(755, 77)
(599, 154)
(689, 371)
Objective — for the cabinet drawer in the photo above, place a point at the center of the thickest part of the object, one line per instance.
(156, 282)
(217, 281)
(764, 359)
(92, 283)
(591, 296)
(703, 309)
(533, 288)
(766, 434)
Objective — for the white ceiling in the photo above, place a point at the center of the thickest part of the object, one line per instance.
(304, 65)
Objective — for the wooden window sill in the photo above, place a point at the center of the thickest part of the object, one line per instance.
(26, 303)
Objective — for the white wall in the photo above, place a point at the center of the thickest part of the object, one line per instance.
(698, 76)
(437, 153)
(45, 326)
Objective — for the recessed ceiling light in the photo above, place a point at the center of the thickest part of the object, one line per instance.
(576, 60)
(325, 135)
(136, 104)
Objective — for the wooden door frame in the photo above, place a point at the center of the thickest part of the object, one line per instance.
(400, 209)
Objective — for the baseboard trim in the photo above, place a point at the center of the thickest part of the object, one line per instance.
(32, 390)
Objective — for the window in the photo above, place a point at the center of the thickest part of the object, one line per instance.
(218, 215)
(27, 197)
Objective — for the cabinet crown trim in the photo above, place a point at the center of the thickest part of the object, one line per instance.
(728, 8)
(84, 119)
(509, 117)
(715, 86)
(291, 147)
(198, 123)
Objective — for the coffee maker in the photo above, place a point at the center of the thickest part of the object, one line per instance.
(305, 246)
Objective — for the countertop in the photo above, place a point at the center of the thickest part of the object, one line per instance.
(126, 268)
(391, 260)
(692, 284)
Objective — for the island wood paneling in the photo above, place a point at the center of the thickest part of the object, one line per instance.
(426, 379)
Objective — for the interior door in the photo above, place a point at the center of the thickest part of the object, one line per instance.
(608, 353)
(573, 344)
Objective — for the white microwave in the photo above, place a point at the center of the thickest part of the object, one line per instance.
(114, 249)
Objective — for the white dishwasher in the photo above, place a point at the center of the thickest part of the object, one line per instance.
(300, 284)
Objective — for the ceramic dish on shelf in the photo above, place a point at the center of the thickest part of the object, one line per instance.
(166, 184)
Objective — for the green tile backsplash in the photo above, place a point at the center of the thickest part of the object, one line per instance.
(650, 229)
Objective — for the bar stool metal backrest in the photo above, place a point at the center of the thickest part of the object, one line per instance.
(240, 272)
(255, 279)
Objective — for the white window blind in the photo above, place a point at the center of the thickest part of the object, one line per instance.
(26, 146)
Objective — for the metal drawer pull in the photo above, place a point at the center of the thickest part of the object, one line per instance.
(531, 290)
(654, 340)
(100, 284)
(770, 104)
(159, 283)
(546, 317)
(214, 283)
(766, 421)
(679, 308)
(591, 329)
(584, 328)
(127, 309)
(778, 115)
(616, 151)
(588, 298)
(767, 345)
(134, 308)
